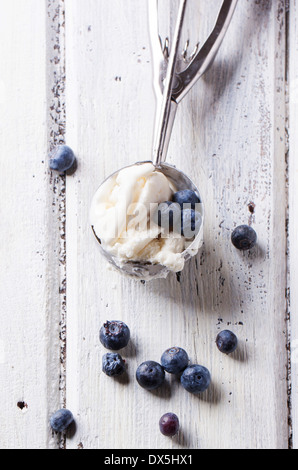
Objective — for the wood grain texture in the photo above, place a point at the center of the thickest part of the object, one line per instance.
(230, 137)
(293, 213)
(80, 71)
(31, 214)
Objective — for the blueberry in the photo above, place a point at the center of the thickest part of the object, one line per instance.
(244, 237)
(62, 158)
(169, 424)
(168, 216)
(227, 342)
(186, 197)
(196, 379)
(174, 360)
(113, 364)
(191, 222)
(61, 420)
(150, 375)
(114, 335)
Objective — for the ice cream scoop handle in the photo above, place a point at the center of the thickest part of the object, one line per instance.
(167, 112)
(161, 151)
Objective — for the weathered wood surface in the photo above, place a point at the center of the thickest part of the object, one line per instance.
(86, 80)
(32, 250)
(293, 215)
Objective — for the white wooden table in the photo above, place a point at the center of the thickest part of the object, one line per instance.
(80, 72)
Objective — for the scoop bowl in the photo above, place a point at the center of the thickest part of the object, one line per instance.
(148, 271)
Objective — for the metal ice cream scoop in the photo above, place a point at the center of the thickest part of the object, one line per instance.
(171, 86)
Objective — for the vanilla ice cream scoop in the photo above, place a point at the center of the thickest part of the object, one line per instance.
(121, 219)
(128, 192)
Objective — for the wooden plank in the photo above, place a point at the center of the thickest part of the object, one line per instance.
(293, 213)
(56, 121)
(229, 136)
(30, 277)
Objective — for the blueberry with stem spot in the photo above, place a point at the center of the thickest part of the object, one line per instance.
(227, 342)
(174, 360)
(114, 335)
(196, 378)
(150, 375)
(244, 238)
(62, 158)
(61, 420)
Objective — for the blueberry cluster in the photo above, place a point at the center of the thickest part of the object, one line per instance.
(150, 375)
(114, 335)
(180, 215)
(194, 378)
